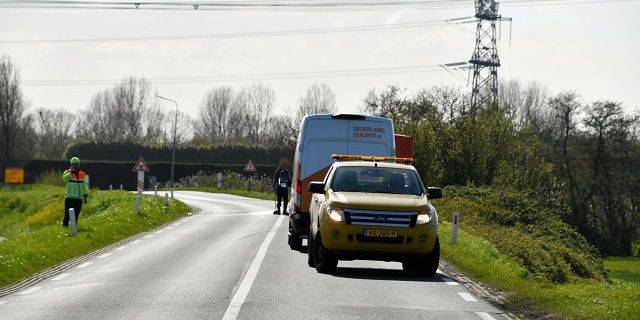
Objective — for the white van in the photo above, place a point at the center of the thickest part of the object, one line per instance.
(320, 137)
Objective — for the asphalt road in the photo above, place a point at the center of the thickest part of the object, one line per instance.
(231, 261)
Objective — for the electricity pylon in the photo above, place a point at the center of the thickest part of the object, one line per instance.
(485, 59)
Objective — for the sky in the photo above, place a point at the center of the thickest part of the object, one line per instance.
(590, 48)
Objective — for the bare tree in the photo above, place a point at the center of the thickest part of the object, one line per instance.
(183, 127)
(131, 99)
(12, 107)
(523, 104)
(281, 132)
(319, 98)
(256, 103)
(214, 114)
(54, 131)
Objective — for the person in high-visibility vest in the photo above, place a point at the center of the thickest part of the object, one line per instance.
(76, 191)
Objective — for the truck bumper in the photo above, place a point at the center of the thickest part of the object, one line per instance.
(350, 240)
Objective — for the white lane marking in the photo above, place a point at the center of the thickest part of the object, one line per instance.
(29, 291)
(466, 296)
(136, 241)
(86, 264)
(449, 281)
(147, 236)
(243, 290)
(60, 277)
(169, 228)
(121, 248)
(485, 316)
(177, 224)
(2, 302)
(104, 255)
(159, 232)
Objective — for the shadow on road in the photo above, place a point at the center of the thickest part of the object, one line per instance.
(382, 274)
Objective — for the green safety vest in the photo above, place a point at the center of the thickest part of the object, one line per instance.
(76, 187)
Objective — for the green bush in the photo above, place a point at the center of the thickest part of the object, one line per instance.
(525, 230)
(635, 249)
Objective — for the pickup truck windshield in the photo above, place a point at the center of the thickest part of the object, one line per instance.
(376, 180)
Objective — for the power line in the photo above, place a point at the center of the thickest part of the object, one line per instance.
(246, 77)
(274, 33)
(311, 5)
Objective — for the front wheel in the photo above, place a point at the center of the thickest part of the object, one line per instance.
(323, 259)
(426, 265)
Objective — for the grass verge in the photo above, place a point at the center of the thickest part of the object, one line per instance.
(37, 240)
(618, 298)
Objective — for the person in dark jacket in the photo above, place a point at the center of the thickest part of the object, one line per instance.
(281, 185)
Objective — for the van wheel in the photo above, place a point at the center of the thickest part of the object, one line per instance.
(295, 242)
(323, 259)
(426, 265)
(310, 250)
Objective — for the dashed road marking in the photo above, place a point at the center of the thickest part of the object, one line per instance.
(485, 316)
(121, 248)
(29, 291)
(449, 281)
(243, 290)
(136, 241)
(169, 228)
(177, 224)
(2, 302)
(466, 296)
(104, 255)
(147, 236)
(60, 277)
(84, 265)
(159, 232)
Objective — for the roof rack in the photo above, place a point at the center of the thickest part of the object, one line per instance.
(356, 157)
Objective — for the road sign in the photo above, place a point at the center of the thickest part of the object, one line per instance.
(13, 175)
(250, 167)
(140, 166)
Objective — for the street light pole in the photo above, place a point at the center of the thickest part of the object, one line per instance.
(173, 151)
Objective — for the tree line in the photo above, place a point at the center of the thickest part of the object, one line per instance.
(579, 160)
(131, 112)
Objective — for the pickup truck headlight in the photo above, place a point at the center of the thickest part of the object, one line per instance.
(336, 214)
(424, 217)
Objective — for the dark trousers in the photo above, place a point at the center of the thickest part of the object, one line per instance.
(69, 203)
(282, 196)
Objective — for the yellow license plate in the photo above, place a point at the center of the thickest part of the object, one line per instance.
(381, 233)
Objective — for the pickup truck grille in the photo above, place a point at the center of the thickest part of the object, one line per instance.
(380, 218)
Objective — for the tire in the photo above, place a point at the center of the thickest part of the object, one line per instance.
(294, 240)
(323, 259)
(426, 265)
(310, 250)
(431, 261)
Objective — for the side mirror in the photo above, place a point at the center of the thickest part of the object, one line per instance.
(316, 187)
(434, 193)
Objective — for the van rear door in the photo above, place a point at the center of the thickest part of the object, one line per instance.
(369, 137)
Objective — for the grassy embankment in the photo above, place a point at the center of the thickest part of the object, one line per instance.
(30, 217)
(538, 262)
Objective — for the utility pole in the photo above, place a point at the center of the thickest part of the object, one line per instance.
(485, 58)
(173, 148)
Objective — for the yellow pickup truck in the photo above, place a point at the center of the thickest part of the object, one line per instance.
(373, 208)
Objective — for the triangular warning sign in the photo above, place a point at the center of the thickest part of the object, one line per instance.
(250, 167)
(140, 166)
